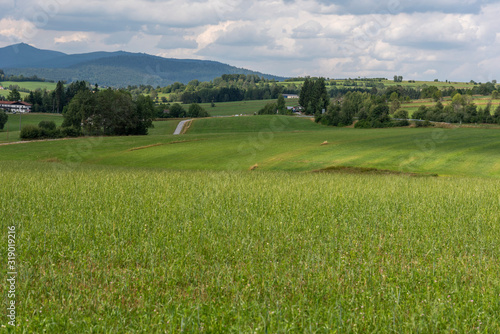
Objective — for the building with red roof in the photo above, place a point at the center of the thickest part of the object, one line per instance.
(15, 106)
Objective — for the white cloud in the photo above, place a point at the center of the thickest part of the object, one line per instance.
(76, 37)
(16, 30)
(286, 37)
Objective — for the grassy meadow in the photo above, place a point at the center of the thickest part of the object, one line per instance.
(30, 85)
(479, 100)
(279, 143)
(203, 251)
(240, 107)
(171, 234)
(10, 132)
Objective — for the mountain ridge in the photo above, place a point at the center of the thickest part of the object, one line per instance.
(114, 69)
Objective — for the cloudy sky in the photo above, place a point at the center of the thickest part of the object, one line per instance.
(426, 39)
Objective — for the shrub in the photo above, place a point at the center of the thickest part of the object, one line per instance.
(70, 132)
(30, 132)
(34, 132)
(195, 110)
(401, 114)
(424, 124)
(269, 109)
(403, 122)
(47, 125)
(420, 113)
(49, 133)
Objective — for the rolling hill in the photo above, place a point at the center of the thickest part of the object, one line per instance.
(115, 69)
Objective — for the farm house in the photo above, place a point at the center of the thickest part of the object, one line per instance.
(15, 106)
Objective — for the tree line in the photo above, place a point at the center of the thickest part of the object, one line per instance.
(461, 110)
(96, 112)
(373, 111)
(54, 101)
(20, 78)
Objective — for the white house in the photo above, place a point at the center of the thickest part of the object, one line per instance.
(15, 106)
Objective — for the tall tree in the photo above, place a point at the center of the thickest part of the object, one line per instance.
(395, 103)
(59, 99)
(305, 93)
(3, 119)
(82, 112)
(321, 99)
(195, 110)
(281, 105)
(14, 95)
(314, 96)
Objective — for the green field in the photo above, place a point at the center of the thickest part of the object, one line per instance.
(30, 85)
(280, 143)
(478, 100)
(163, 233)
(6, 92)
(266, 123)
(10, 132)
(240, 107)
(130, 250)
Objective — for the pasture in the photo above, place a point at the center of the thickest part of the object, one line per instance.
(163, 233)
(104, 249)
(240, 107)
(10, 132)
(30, 85)
(277, 143)
(480, 101)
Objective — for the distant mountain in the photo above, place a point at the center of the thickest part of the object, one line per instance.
(20, 55)
(115, 69)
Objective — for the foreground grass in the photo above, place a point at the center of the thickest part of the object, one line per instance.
(122, 250)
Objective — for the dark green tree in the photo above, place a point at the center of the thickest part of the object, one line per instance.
(401, 114)
(320, 97)
(81, 112)
(269, 109)
(73, 88)
(281, 105)
(305, 93)
(145, 113)
(14, 95)
(118, 112)
(314, 96)
(177, 111)
(3, 119)
(195, 110)
(352, 104)
(59, 98)
(47, 125)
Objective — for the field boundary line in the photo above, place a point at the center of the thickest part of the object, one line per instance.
(36, 141)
